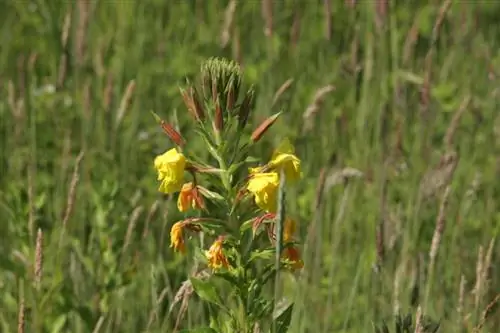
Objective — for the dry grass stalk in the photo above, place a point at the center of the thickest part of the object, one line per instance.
(21, 75)
(31, 198)
(38, 259)
(440, 176)
(411, 39)
(153, 314)
(281, 90)
(485, 274)
(11, 98)
(236, 49)
(134, 217)
(488, 311)
(228, 24)
(98, 325)
(439, 229)
(455, 121)
(320, 191)
(461, 298)
(108, 92)
(425, 93)
(164, 228)
(418, 320)
(17, 110)
(327, 6)
(66, 151)
(350, 3)
(151, 213)
(341, 176)
(21, 318)
(70, 201)
(314, 107)
(63, 62)
(381, 8)
(380, 237)
(81, 30)
(295, 30)
(125, 102)
(182, 295)
(397, 288)
(354, 59)
(478, 287)
(86, 100)
(32, 61)
(267, 14)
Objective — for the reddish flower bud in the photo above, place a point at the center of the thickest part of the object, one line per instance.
(263, 127)
(192, 103)
(219, 117)
(170, 131)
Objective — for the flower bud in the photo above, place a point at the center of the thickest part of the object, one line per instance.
(263, 127)
(192, 103)
(175, 136)
(245, 108)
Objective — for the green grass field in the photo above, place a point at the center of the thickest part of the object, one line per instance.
(393, 110)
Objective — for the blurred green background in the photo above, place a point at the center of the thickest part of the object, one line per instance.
(391, 106)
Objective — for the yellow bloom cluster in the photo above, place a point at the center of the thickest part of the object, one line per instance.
(264, 180)
(263, 184)
(170, 167)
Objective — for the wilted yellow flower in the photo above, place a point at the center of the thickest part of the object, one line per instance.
(284, 158)
(189, 197)
(292, 254)
(215, 256)
(264, 186)
(177, 237)
(170, 167)
(288, 229)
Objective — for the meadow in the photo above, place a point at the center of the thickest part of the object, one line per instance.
(393, 109)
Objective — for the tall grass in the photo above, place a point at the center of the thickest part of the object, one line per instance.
(393, 108)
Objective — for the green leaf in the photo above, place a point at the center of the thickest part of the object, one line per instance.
(283, 318)
(211, 194)
(59, 323)
(246, 225)
(199, 330)
(262, 254)
(212, 228)
(228, 277)
(206, 291)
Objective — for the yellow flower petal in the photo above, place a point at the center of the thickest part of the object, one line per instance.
(170, 167)
(215, 255)
(189, 197)
(284, 158)
(177, 237)
(264, 186)
(289, 229)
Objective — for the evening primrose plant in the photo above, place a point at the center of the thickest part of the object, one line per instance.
(236, 200)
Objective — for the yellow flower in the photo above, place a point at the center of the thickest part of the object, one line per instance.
(170, 167)
(284, 158)
(264, 186)
(177, 237)
(288, 229)
(292, 254)
(189, 197)
(215, 256)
